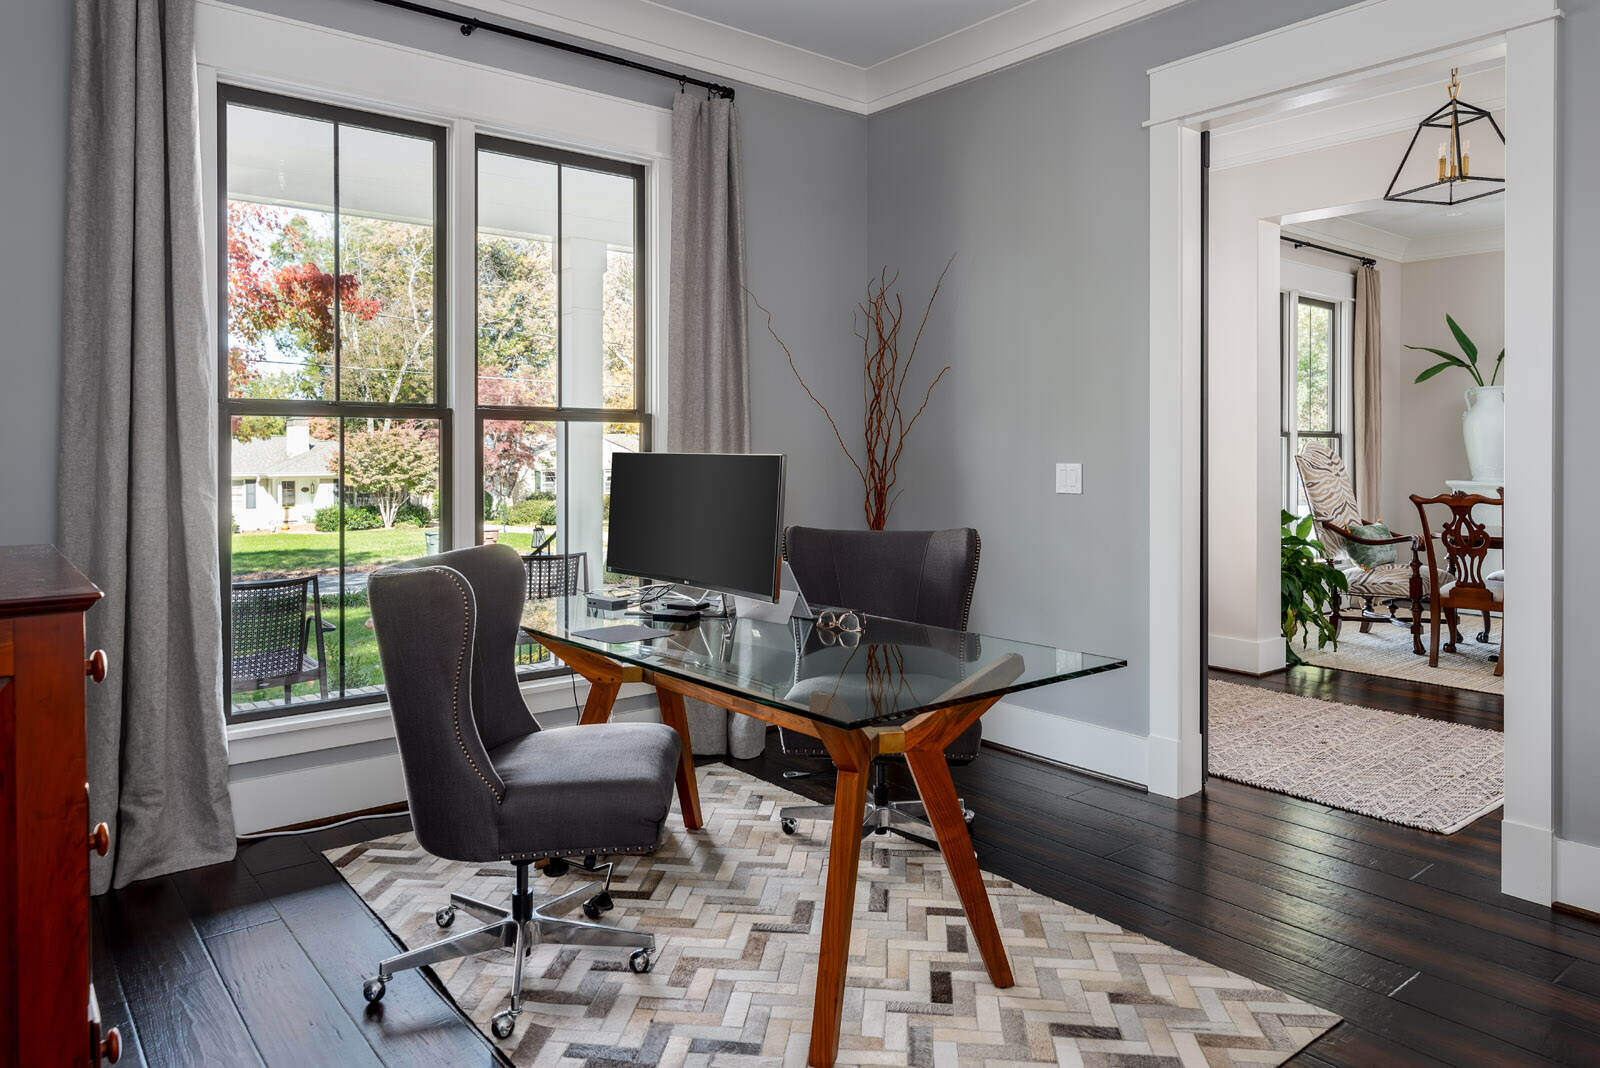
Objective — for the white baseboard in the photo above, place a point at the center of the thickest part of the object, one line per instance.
(1249, 655)
(281, 793)
(1527, 862)
(1577, 875)
(1068, 741)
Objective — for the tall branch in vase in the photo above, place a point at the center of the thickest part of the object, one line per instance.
(876, 321)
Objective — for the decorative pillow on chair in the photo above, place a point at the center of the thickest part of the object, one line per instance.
(1372, 557)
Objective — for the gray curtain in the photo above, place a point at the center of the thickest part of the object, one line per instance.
(1368, 392)
(138, 497)
(708, 350)
(708, 347)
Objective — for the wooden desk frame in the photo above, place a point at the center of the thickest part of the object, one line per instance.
(922, 740)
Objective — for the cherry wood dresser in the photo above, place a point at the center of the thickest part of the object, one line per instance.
(47, 1006)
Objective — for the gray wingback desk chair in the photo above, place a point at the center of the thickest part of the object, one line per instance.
(920, 576)
(485, 784)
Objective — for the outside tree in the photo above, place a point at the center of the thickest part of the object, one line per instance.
(390, 464)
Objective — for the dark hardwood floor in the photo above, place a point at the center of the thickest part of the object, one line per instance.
(1401, 932)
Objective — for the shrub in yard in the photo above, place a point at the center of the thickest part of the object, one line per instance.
(413, 513)
(327, 519)
(362, 519)
(528, 512)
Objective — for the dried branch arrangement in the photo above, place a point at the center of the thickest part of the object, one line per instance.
(876, 321)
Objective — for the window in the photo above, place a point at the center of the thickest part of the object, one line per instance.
(331, 353)
(560, 349)
(1316, 368)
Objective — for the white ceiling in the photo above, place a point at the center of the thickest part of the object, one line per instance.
(1411, 232)
(1412, 221)
(859, 55)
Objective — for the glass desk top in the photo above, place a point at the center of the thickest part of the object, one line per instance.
(895, 670)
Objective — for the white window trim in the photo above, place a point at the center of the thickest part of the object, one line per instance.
(259, 50)
(332, 728)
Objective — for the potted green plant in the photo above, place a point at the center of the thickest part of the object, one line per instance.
(1483, 423)
(1310, 590)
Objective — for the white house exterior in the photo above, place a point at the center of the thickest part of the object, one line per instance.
(282, 481)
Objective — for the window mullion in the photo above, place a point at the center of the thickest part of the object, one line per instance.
(463, 328)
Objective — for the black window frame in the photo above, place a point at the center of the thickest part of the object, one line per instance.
(559, 413)
(333, 407)
(1289, 401)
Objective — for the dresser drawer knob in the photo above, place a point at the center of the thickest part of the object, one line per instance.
(95, 666)
(100, 839)
(111, 1047)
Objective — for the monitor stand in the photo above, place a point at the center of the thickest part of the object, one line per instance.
(669, 614)
(676, 608)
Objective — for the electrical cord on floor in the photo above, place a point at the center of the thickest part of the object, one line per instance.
(256, 835)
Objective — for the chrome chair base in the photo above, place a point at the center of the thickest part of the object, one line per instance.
(521, 927)
(908, 819)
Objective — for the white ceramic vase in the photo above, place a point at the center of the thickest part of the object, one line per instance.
(1483, 428)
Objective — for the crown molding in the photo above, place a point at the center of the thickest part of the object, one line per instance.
(667, 35)
(1384, 109)
(1374, 241)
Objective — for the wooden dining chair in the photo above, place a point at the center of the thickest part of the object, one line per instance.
(1464, 584)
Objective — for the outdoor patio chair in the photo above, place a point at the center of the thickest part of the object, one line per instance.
(550, 575)
(273, 623)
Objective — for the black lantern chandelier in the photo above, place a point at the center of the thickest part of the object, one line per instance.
(1449, 177)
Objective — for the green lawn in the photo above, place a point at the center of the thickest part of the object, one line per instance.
(288, 554)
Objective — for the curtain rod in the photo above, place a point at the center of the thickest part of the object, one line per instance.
(468, 23)
(1299, 242)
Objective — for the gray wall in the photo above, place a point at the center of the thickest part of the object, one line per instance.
(35, 42)
(1578, 384)
(1039, 177)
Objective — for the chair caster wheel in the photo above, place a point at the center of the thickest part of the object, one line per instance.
(639, 961)
(373, 989)
(445, 916)
(556, 868)
(503, 1023)
(598, 905)
(788, 825)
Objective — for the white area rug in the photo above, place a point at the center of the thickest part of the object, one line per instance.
(1387, 652)
(737, 911)
(1405, 769)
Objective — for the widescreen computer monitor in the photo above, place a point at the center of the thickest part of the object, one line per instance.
(713, 520)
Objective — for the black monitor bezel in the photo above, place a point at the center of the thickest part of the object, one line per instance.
(777, 541)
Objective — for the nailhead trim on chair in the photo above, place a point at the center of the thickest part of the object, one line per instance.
(606, 851)
(455, 689)
(972, 578)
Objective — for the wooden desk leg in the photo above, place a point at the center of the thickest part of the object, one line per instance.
(597, 706)
(938, 791)
(852, 758)
(672, 715)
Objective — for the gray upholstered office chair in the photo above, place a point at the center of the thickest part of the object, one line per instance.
(485, 784)
(921, 576)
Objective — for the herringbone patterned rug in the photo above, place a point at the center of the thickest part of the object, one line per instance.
(737, 910)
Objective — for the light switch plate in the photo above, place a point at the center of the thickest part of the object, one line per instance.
(1069, 478)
